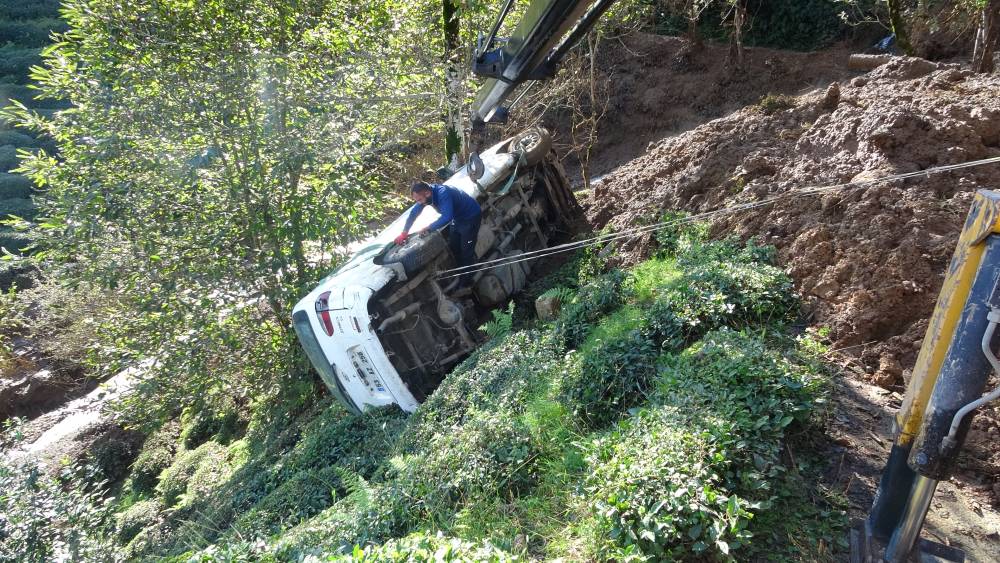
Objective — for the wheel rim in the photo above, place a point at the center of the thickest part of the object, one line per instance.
(529, 141)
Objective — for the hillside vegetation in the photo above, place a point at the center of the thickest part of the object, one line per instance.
(649, 421)
(25, 29)
(194, 168)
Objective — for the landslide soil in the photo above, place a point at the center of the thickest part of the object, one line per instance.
(685, 132)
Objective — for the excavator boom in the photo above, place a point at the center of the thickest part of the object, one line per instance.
(532, 52)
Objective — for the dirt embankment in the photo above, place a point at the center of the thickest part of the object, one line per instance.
(868, 262)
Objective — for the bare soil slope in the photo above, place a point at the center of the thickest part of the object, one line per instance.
(868, 262)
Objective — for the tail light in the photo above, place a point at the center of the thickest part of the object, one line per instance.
(323, 312)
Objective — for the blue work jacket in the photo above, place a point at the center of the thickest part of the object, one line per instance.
(451, 203)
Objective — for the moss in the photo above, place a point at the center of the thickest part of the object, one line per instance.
(174, 479)
(14, 186)
(156, 455)
(220, 421)
(140, 515)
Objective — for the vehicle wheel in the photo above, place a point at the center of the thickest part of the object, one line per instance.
(416, 253)
(535, 143)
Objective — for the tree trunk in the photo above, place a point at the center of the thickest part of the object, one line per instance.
(692, 18)
(737, 56)
(452, 83)
(899, 26)
(987, 38)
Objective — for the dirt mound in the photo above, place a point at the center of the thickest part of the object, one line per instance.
(654, 87)
(869, 262)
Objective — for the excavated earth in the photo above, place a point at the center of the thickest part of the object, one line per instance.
(868, 260)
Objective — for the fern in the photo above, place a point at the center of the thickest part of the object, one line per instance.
(359, 492)
(562, 294)
(501, 324)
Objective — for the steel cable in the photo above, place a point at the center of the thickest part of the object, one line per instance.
(638, 231)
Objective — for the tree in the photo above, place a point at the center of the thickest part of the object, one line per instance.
(737, 55)
(218, 155)
(453, 81)
(987, 36)
(899, 28)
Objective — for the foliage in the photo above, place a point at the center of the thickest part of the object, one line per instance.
(132, 520)
(11, 323)
(805, 25)
(502, 322)
(614, 370)
(175, 479)
(773, 103)
(424, 547)
(683, 478)
(45, 518)
(593, 300)
(67, 326)
(20, 208)
(156, 454)
(14, 186)
(219, 155)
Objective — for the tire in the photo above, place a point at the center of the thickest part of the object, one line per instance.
(534, 143)
(416, 253)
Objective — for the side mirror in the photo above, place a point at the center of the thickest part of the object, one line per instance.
(476, 166)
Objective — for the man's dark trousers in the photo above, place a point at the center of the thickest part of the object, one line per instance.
(462, 240)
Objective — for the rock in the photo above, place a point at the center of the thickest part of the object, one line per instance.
(859, 82)
(832, 97)
(889, 371)
(547, 307)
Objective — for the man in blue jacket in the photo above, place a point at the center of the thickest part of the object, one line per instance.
(455, 207)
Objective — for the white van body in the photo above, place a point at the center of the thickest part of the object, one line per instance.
(382, 329)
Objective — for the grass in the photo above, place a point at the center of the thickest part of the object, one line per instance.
(648, 422)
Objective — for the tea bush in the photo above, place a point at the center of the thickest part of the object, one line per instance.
(593, 300)
(45, 518)
(612, 371)
(423, 547)
(14, 186)
(132, 520)
(156, 454)
(683, 478)
(174, 479)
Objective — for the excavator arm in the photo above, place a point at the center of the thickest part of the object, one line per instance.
(546, 32)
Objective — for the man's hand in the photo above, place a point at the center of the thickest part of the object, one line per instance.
(401, 239)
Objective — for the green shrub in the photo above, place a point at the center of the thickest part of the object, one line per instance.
(219, 420)
(658, 491)
(18, 207)
(17, 61)
(613, 370)
(136, 517)
(499, 375)
(722, 283)
(32, 33)
(21, 10)
(336, 438)
(14, 241)
(773, 103)
(173, 482)
(304, 494)
(49, 518)
(156, 455)
(682, 479)
(593, 300)
(16, 274)
(8, 158)
(423, 547)
(491, 455)
(16, 139)
(14, 186)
